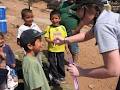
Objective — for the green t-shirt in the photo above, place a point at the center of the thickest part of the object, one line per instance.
(33, 74)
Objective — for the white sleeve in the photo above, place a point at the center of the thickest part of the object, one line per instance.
(19, 33)
(21, 29)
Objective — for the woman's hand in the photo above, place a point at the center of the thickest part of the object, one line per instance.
(73, 70)
(59, 40)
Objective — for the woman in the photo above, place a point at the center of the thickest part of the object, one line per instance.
(107, 34)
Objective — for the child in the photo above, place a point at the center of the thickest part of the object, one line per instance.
(33, 73)
(7, 60)
(3, 72)
(7, 79)
(56, 52)
(4, 48)
(27, 16)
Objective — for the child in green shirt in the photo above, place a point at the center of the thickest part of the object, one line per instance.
(33, 73)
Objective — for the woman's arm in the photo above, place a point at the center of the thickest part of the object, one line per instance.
(111, 67)
(82, 36)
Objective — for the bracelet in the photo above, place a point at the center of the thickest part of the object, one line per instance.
(65, 40)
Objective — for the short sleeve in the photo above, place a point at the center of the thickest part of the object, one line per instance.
(18, 33)
(106, 37)
(20, 30)
(47, 30)
(65, 32)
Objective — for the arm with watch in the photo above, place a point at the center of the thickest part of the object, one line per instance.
(80, 37)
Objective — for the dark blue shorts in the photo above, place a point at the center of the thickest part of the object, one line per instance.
(73, 47)
(3, 75)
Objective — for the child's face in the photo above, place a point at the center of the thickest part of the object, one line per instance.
(1, 41)
(38, 45)
(55, 19)
(28, 18)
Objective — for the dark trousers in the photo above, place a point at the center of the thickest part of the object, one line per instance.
(3, 78)
(118, 85)
(56, 61)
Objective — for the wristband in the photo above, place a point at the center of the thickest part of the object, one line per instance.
(66, 40)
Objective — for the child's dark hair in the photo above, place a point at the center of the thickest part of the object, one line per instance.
(24, 11)
(1, 34)
(55, 12)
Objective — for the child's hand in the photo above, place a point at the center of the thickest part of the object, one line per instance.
(3, 64)
(2, 56)
(52, 42)
(13, 65)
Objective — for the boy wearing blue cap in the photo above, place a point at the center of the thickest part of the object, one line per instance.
(33, 73)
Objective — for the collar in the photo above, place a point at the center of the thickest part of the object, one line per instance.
(54, 26)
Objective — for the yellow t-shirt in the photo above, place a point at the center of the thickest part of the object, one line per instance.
(52, 32)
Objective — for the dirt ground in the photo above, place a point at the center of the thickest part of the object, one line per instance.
(89, 54)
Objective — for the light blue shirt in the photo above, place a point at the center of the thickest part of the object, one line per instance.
(107, 31)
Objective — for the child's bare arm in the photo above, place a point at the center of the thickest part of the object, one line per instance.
(48, 40)
(2, 60)
(18, 41)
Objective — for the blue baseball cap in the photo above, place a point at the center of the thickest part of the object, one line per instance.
(29, 36)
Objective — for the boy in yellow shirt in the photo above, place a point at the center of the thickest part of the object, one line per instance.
(56, 52)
